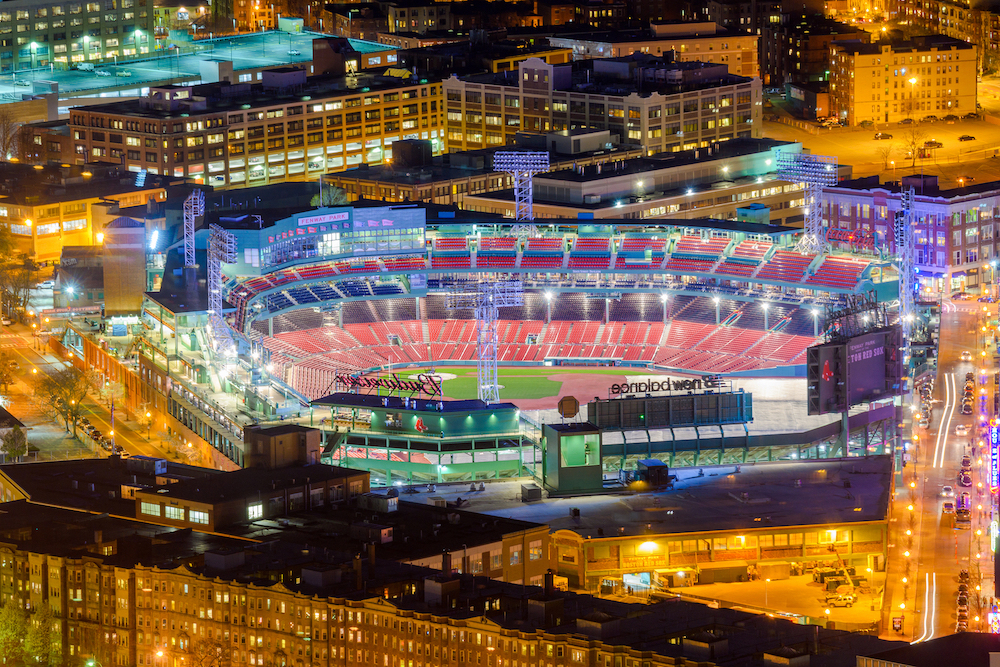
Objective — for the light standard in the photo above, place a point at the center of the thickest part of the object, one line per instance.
(86, 48)
(913, 83)
(149, 424)
(33, 46)
(138, 49)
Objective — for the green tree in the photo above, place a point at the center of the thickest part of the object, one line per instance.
(13, 624)
(62, 392)
(14, 444)
(332, 196)
(40, 638)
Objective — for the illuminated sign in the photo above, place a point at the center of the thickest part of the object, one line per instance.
(424, 383)
(993, 622)
(666, 384)
(321, 219)
(994, 530)
(994, 455)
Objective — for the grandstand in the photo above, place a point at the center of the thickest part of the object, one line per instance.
(390, 335)
(701, 296)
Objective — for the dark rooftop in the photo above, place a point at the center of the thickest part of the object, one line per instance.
(222, 97)
(282, 429)
(917, 43)
(968, 649)
(238, 483)
(24, 184)
(396, 403)
(91, 484)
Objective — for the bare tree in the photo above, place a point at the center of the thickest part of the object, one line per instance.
(332, 196)
(16, 281)
(209, 653)
(62, 393)
(10, 128)
(913, 140)
(885, 153)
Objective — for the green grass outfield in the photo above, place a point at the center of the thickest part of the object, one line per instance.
(528, 382)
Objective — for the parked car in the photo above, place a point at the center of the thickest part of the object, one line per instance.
(986, 299)
(46, 284)
(932, 143)
(294, 52)
(950, 118)
(123, 73)
(970, 116)
(906, 121)
(964, 480)
(966, 137)
(929, 119)
(22, 82)
(102, 72)
(966, 461)
(85, 67)
(840, 600)
(866, 124)
(948, 507)
(882, 135)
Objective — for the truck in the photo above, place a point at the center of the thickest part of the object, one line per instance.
(85, 67)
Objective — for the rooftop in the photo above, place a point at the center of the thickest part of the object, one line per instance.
(87, 483)
(719, 151)
(808, 492)
(969, 649)
(587, 76)
(239, 483)
(222, 97)
(921, 43)
(37, 185)
(926, 187)
(396, 403)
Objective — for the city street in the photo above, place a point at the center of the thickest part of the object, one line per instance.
(50, 438)
(939, 550)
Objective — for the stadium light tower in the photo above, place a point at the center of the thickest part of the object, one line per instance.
(814, 172)
(221, 249)
(522, 165)
(903, 233)
(487, 298)
(194, 206)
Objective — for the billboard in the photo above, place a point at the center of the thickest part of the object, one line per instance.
(857, 370)
(994, 455)
(866, 368)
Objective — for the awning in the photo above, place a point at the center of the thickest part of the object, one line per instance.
(957, 274)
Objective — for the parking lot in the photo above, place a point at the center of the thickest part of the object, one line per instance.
(167, 66)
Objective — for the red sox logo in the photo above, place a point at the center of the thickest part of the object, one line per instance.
(827, 373)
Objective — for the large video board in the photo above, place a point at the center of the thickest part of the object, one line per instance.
(859, 370)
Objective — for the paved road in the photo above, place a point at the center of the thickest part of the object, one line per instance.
(940, 549)
(128, 434)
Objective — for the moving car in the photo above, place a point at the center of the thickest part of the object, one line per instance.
(962, 429)
(932, 143)
(947, 491)
(882, 135)
(923, 423)
(294, 52)
(966, 137)
(948, 507)
(966, 356)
